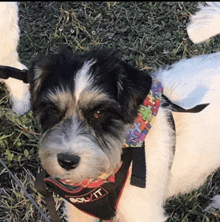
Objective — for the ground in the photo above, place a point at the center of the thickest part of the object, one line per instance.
(149, 34)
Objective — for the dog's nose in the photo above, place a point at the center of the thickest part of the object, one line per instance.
(67, 161)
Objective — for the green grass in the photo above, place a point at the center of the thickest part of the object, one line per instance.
(150, 35)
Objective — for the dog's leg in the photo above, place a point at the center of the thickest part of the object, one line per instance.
(146, 205)
(75, 215)
(19, 95)
(9, 37)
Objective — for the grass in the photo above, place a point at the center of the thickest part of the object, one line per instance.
(150, 35)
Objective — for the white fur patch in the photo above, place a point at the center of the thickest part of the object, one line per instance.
(83, 78)
(9, 36)
(61, 96)
(19, 95)
(191, 82)
(205, 23)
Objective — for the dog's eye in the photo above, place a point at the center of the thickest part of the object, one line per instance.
(99, 114)
(51, 109)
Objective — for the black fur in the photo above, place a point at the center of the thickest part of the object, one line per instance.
(60, 69)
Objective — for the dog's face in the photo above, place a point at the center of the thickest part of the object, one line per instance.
(85, 104)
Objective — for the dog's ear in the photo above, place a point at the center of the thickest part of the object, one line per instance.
(133, 87)
(7, 71)
(39, 71)
(43, 67)
(131, 84)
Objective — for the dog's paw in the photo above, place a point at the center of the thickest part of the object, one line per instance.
(21, 106)
(19, 95)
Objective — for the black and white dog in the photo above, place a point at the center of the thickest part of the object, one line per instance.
(93, 104)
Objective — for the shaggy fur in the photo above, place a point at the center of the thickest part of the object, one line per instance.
(87, 102)
(9, 36)
(205, 23)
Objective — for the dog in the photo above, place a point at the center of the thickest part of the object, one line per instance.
(92, 107)
(9, 37)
